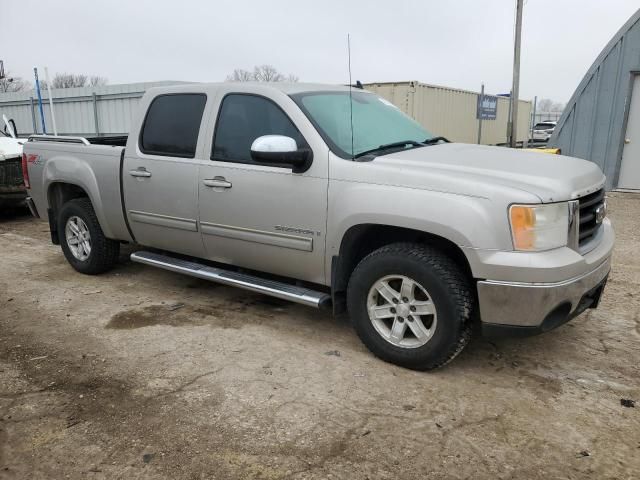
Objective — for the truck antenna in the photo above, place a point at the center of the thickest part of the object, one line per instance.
(350, 97)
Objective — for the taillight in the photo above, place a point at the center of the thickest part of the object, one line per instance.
(25, 171)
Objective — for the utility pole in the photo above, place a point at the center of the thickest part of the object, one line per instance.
(481, 110)
(515, 91)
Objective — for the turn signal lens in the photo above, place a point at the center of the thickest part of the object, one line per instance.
(539, 227)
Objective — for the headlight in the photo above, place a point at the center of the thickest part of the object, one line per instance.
(539, 227)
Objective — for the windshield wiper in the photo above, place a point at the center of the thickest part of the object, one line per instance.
(434, 140)
(390, 146)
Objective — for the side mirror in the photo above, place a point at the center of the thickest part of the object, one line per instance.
(281, 150)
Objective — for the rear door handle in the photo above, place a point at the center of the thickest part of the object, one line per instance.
(140, 172)
(217, 182)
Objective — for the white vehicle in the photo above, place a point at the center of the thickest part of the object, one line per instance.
(12, 189)
(542, 131)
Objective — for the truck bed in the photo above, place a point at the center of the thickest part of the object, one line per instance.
(93, 165)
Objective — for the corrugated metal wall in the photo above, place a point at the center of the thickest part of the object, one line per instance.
(77, 109)
(452, 113)
(592, 126)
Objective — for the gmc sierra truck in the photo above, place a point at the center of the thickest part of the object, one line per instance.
(333, 198)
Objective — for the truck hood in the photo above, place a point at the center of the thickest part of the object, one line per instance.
(476, 169)
(10, 147)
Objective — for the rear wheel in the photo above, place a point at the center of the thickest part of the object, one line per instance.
(82, 240)
(411, 305)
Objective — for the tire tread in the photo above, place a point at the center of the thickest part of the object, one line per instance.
(453, 278)
(104, 251)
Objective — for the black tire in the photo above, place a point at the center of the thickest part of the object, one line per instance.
(104, 251)
(448, 287)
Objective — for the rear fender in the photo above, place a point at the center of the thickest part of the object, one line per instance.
(69, 170)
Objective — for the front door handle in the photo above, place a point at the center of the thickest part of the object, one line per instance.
(217, 182)
(140, 172)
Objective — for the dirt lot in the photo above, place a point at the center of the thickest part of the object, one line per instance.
(141, 373)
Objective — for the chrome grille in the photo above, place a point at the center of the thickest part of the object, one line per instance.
(589, 224)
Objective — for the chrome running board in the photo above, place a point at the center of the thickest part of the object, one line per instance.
(252, 283)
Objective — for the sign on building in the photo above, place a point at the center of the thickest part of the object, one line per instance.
(487, 107)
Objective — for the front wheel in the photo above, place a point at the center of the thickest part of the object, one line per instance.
(411, 305)
(82, 240)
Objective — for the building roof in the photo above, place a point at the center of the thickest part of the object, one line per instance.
(613, 43)
(591, 126)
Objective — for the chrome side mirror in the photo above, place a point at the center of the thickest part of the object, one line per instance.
(280, 149)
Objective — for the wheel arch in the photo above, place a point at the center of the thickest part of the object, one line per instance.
(60, 192)
(362, 239)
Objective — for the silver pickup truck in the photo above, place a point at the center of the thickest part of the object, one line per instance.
(333, 198)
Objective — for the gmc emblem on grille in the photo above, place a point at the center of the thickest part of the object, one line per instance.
(601, 212)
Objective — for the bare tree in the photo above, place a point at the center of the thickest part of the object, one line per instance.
(240, 75)
(267, 73)
(70, 80)
(13, 84)
(261, 73)
(548, 105)
(97, 80)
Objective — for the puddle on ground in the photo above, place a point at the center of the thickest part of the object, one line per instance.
(231, 314)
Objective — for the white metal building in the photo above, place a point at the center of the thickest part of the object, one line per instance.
(451, 112)
(85, 111)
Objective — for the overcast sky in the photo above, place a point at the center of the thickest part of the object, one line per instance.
(456, 43)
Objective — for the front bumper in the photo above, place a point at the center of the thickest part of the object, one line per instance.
(522, 309)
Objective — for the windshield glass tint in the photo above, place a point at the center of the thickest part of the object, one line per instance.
(544, 126)
(375, 121)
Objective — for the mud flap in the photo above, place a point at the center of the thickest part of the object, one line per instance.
(53, 226)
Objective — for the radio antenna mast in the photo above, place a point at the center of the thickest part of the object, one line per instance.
(350, 97)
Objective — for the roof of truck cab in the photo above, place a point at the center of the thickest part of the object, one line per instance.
(284, 87)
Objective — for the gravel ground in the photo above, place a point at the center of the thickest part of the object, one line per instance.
(141, 373)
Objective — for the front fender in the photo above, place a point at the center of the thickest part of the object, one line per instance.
(467, 221)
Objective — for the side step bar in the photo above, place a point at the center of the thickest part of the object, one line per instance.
(252, 283)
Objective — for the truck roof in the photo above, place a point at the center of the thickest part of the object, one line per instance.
(284, 87)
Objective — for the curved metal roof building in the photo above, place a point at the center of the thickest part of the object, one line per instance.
(601, 117)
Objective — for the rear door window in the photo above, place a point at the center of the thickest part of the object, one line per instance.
(172, 124)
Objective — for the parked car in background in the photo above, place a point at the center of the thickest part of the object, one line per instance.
(334, 198)
(12, 189)
(542, 131)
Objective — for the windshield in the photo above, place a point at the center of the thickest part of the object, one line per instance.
(376, 121)
(544, 126)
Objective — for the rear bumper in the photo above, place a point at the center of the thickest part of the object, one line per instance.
(541, 138)
(522, 309)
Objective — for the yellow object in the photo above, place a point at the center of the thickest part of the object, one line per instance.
(553, 151)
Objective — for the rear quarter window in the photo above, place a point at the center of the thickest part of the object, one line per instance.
(172, 124)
